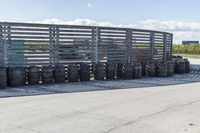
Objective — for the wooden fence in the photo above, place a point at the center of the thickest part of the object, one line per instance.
(25, 44)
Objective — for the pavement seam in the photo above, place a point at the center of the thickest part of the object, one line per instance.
(149, 116)
(25, 128)
(101, 115)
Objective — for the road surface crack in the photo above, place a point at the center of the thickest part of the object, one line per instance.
(149, 115)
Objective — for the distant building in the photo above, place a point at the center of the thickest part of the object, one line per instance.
(190, 42)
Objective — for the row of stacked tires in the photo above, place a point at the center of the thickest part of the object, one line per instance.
(33, 75)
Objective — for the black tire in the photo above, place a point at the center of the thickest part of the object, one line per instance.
(16, 76)
(47, 75)
(127, 72)
(150, 70)
(110, 71)
(3, 78)
(161, 69)
(73, 73)
(33, 75)
(84, 72)
(137, 70)
(59, 74)
(100, 71)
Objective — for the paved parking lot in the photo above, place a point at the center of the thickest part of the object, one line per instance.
(156, 105)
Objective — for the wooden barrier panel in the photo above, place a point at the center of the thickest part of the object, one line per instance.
(27, 44)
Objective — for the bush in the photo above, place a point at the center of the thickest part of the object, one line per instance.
(186, 49)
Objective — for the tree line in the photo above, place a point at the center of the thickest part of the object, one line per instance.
(186, 49)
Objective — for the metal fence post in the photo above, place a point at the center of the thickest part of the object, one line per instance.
(152, 41)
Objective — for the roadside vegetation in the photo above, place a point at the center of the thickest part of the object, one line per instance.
(187, 50)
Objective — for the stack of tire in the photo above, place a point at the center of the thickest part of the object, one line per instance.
(73, 73)
(119, 68)
(16, 76)
(3, 77)
(99, 71)
(187, 65)
(33, 75)
(137, 70)
(110, 71)
(59, 74)
(182, 66)
(144, 68)
(161, 69)
(127, 71)
(84, 72)
(47, 75)
(170, 68)
(150, 70)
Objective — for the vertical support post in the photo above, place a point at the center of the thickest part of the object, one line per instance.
(56, 46)
(51, 43)
(171, 43)
(93, 45)
(5, 58)
(1, 45)
(97, 41)
(165, 47)
(152, 41)
(128, 46)
(8, 45)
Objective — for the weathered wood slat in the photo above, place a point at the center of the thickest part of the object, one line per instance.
(74, 35)
(74, 31)
(30, 37)
(29, 33)
(86, 37)
(113, 32)
(109, 35)
(28, 29)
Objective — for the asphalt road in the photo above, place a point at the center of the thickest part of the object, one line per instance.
(158, 109)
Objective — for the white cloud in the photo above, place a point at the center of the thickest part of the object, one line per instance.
(89, 5)
(181, 30)
(172, 25)
(79, 21)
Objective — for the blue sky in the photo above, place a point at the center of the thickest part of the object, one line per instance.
(178, 16)
(117, 11)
